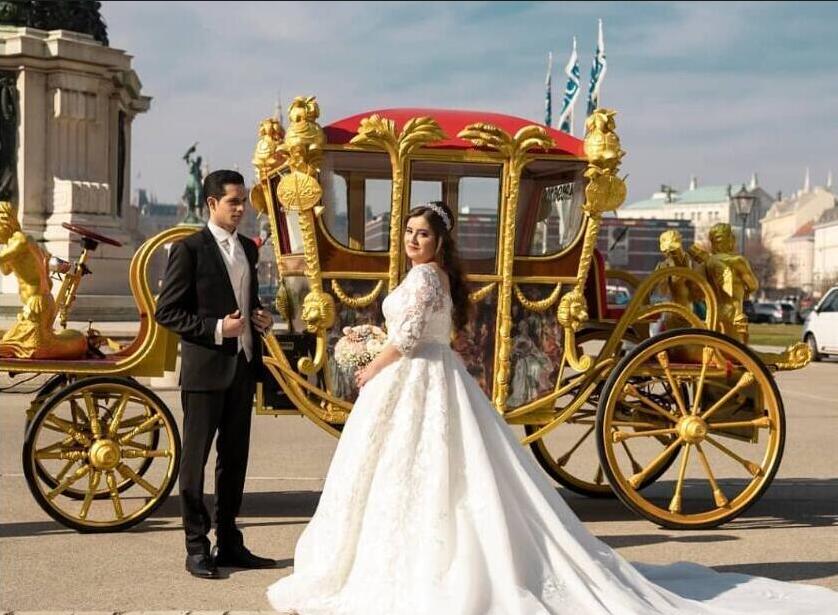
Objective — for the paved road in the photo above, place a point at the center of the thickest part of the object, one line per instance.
(789, 534)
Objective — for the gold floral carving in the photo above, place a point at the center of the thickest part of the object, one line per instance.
(516, 150)
(380, 133)
(481, 293)
(267, 155)
(604, 192)
(299, 191)
(540, 305)
(357, 303)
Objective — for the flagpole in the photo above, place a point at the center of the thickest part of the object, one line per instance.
(548, 95)
(571, 92)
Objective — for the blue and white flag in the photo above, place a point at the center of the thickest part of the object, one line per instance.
(548, 95)
(571, 91)
(597, 73)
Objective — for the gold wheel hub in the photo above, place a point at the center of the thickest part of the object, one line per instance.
(105, 455)
(692, 429)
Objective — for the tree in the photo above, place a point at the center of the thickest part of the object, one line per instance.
(766, 264)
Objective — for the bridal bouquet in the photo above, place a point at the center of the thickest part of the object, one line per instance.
(359, 346)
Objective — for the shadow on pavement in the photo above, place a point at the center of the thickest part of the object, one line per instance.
(788, 503)
(784, 571)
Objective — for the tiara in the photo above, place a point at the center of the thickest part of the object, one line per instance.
(439, 211)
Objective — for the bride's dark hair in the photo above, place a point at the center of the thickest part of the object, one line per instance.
(447, 257)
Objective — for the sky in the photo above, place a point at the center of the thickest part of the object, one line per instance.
(711, 89)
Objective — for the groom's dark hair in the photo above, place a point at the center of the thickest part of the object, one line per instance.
(215, 182)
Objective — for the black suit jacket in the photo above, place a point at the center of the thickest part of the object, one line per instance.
(196, 294)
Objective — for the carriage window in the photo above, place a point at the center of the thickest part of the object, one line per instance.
(550, 213)
(357, 188)
(472, 191)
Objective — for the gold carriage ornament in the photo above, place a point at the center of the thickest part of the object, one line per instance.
(606, 408)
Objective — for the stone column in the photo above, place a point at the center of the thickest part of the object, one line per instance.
(73, 91)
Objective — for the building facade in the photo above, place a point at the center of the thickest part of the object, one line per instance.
(825, 252)
(702, 206)
(633, 245)
(788, 235)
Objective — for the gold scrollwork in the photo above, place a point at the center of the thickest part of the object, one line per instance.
(538, 305)
(357, 303)
(379, 132)
(517, 152)
(604, 192)
(481, 293)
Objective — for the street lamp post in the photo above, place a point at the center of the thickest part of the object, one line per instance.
(743, 203)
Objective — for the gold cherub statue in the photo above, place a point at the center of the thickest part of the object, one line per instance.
(678, 289)
(731, 277)
(32, 336)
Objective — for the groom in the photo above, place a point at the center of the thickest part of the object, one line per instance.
(210, 299)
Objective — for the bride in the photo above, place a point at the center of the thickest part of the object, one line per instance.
(431, 506)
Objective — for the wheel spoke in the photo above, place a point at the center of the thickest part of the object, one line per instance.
(147, 454)
(658, 409)
(92, 486)
(137, 445)
(67, 482)
(129, 474)
(619, 436)
(718, 495)
(58, 424)
(637, 424)
(761, 423)
(76, 412)
(663, 359)
(93, 415)
(745, 380)
(675, 504)
(116, 416)
(640, 477)
(60, 476)
(561, 461)
(635, 467)
(133, 421)
(750, 466)
(147, 425)
(114, 491)
(706, 356)
(598, 477)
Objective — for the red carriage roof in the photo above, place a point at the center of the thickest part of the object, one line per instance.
(452, 121)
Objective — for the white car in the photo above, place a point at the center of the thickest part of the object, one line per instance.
(821, 328)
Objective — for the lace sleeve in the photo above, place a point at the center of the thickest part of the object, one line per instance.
(423, 295)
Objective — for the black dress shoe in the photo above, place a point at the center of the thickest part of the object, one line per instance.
(240, 557)
(202, 566)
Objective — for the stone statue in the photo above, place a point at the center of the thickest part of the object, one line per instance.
(8, 136)
(32, 336)
(678, 289)
(193, 193)
(731, 277)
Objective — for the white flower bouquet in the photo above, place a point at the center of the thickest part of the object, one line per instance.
(359, 346)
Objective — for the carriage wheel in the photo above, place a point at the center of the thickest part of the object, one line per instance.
(568, 454)
(109, 442)
(140, 466)
(725, 418)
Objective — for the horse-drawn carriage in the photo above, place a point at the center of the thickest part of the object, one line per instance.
(687, 426)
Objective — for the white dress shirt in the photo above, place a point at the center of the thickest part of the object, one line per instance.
(238, 270)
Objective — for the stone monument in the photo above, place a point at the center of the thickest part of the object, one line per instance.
(67, 103)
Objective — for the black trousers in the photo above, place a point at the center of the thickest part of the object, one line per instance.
(228, 413)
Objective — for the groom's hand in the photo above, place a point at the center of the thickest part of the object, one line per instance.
(232, 325)
(262, 320)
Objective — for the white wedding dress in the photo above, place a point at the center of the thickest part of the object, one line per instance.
(432, 507)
